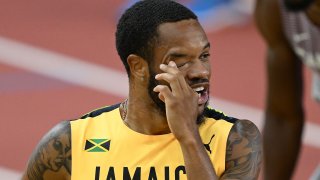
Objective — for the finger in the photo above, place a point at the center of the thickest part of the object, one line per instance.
(184, 85)
(172, 68)
(173, 75)
(161, 97)
(172, 80)
(172, 64)
(164, 92)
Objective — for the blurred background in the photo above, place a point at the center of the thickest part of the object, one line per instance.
(58, 61)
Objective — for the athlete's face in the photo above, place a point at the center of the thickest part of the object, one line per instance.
(186, 44)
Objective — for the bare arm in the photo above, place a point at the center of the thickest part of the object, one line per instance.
(244, 152)
(52, 157)
(197, 162)
(284, 109)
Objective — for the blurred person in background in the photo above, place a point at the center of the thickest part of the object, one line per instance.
(291, 29)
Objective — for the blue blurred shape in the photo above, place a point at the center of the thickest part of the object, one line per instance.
(194, 5)
(203, 5)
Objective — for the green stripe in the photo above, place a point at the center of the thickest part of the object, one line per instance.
(96, 149)
(98, 141)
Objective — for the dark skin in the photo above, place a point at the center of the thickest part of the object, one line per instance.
(187, 40)
(52, 157)
(284, 107)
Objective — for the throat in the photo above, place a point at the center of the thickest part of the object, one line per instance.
(144, 120)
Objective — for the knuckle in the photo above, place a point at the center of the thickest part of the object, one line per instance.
(171, 78)
(162, 88)
(177, 73)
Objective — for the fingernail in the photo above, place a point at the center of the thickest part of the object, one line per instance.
(172, 64)
(162, 65)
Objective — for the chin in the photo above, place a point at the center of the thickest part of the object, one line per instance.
(201, 108)
(201, 116)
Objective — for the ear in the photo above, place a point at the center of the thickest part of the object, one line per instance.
(138, 66)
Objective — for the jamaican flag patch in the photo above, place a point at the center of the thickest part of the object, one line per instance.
(97, 145)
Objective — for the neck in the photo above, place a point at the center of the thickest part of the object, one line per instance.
(142, 115)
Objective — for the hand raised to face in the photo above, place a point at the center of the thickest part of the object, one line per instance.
(180, 99)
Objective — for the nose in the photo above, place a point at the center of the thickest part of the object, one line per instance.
(199, 70)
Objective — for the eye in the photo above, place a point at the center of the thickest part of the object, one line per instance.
(179, 65)
(205, 56)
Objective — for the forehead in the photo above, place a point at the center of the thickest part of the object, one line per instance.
(185, 33)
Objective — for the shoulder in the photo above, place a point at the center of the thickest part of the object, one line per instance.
(100, 111)
(244, 151)
(218, 115)
(246, 132)
(52, 155)
(60, 132)
(245, 128)
(218, 122)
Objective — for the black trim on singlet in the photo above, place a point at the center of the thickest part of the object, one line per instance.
(97, 112)
(208, 112)
(212, 113)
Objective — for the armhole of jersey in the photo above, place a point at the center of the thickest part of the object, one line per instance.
(222, 128)
(218, 115)
(225, 142)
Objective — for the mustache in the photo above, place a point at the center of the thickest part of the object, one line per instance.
(197, 81)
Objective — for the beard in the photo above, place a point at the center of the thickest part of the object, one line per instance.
(297, 5)
(154, 95)
(160, 104)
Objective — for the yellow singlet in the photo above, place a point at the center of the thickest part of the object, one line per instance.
(103, 147)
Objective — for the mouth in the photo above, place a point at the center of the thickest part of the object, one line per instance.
(203, 93)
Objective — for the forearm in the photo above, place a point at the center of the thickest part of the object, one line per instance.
(282, 139)
(197, 162)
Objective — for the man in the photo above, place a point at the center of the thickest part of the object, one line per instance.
(291, 30)
(164, 130)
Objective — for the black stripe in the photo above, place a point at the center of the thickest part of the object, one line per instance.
(208, 112)
(97, 112)
(212, 113)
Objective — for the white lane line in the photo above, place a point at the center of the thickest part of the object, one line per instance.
(9, 174)
(104, 79)
(62, 67)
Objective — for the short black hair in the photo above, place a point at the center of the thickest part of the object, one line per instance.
(137, 28)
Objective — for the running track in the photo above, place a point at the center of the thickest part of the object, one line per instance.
(36, 92)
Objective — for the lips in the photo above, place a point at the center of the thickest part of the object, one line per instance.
(203, 97)
(203, 92)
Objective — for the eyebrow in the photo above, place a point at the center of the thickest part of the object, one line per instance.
(207, 45)
(181, 55)
(177, 55)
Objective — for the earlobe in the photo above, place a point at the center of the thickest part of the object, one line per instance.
(138, 66)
